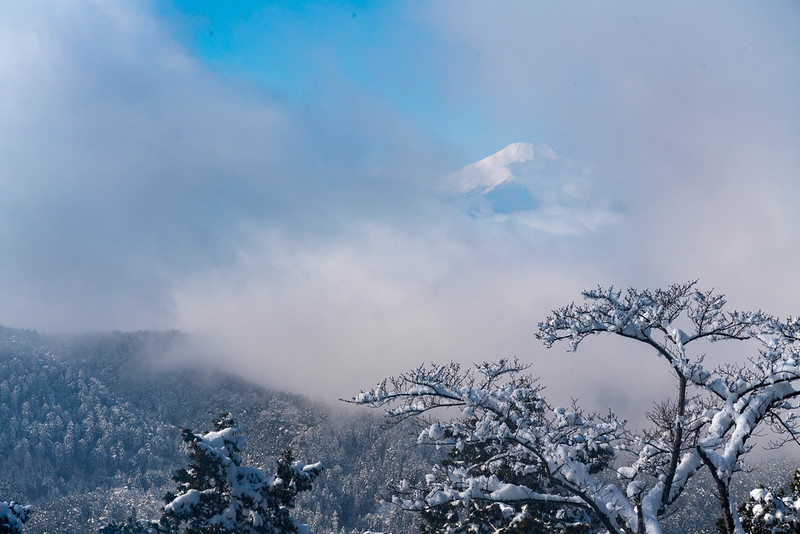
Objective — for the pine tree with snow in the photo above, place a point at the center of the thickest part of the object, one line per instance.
(130, 526)
(772, 511)
(217, 494)
(13, 516)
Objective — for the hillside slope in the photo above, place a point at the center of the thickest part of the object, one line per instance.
(91, 423)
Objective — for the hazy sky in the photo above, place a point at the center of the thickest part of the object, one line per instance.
(269, 176)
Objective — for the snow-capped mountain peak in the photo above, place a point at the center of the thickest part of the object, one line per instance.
(493, 170)
(530, 187)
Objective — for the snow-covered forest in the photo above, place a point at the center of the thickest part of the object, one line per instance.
(97, 433)
(386, 267)
(92, 433)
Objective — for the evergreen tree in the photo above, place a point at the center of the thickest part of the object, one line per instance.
(131, 526)
(770, 511)
(216, 493)
(12, 517)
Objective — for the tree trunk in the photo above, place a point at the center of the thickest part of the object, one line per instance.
(722, 493)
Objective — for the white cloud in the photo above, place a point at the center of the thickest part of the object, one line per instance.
(127, 164)
(308, 245)
(685, 114)
(330, 317)
(533, 190)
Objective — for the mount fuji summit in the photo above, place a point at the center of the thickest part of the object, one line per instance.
(532, 186)
(494, 171)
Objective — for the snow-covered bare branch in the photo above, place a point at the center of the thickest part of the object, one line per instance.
(514, 461)
(510, 453)
(717, 410)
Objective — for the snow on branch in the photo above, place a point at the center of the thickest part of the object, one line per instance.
(717, 410)
(216, 492)
(514, 460)
(506, 446)
(12, 516)
(427, 388)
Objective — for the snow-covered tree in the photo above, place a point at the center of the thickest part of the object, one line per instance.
(216, 493)
(716, 410)
(12, 517)
(567, 455)
(773, 511)
(514, 463)
(130, 526)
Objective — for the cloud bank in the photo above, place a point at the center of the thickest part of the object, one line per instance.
(309, 244)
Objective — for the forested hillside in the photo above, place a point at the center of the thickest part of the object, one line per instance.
(90, 432)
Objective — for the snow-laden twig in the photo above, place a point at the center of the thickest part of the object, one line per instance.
(514, 459)
(737, 398)
(507, 448)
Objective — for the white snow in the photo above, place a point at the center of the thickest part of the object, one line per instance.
(493, 170)
(512, 421)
